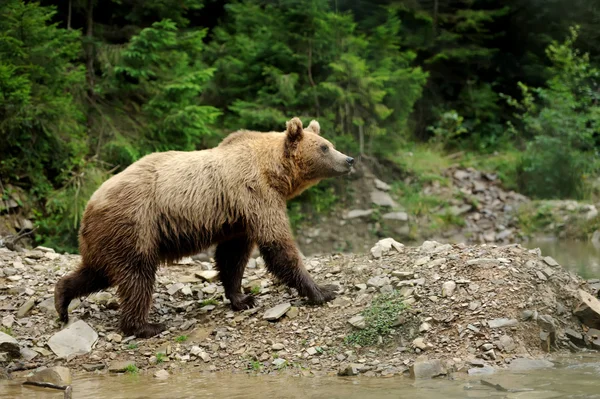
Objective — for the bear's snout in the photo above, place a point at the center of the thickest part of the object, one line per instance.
(350, 161)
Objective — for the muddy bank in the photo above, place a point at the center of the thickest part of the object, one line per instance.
(420, 311)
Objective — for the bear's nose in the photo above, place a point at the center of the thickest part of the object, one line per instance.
(350, 161)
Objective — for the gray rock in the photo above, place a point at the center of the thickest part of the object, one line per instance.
(522, 364)
(58, 377)
(503, 322)
(28, 354)
(208, 275)
(399, 216)
(419, 343)
(25, 308)
(426, 369)
(93, 367)
(547, 323)
(173, 288)
(382, 247)
(507, 343)
(550, 261)
(279, 362)
(76, 339)
(380, 185)
(382, 198)
(358, 322)
(448, 288)
(378, 281)
(349, 370)
(575, 337)
(9, 345)
(358, 213)
(121, 366)
(277, 312)
(593, 337)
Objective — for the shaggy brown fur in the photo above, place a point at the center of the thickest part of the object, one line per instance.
(174, 204)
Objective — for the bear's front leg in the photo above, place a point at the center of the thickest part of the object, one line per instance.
(283, 260)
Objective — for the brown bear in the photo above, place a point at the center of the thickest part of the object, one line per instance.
(173, 204)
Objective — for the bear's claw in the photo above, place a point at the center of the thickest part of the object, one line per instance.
(243, 302)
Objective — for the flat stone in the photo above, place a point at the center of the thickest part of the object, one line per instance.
(277, 347)
(575, 337)
(114, 337)
(507, 343)
(44, 249)
(448, 289)
(358, 213)
(378, 281)
(503, 322)
(293, 312)
(9, 345)
(522, 364)
(485, 370)
(418, 281)
(277, 312)
(25, 308)
(588, 311)
(358, 322)
(28, 354)
(384, 246)
(426, 369)
(8, 321)
(120, 366)
(550, 261)
(173, 288)
(402, 275)
(161, 374)
(93, 367)
(398, 216)
(208, 275)
(380, 185)
(382, 198)
(420, 343)
(57, 376)
(424, 327)
(76, 339)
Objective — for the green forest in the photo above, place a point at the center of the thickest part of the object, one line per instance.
(88, 87)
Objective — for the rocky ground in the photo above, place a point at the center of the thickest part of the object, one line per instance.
(420, 311)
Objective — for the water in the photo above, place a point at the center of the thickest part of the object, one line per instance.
(572, 377)
(581, 257)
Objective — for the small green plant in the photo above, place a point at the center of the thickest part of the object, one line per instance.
(379, 319)
(160, 357)
(255, 290)
(210, 301)
(254, 365)
(7, 330)
(132, 346)
(132, 369)
(181, 338)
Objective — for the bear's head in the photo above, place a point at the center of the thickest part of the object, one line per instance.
(316, 158)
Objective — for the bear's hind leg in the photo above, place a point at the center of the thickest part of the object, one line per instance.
(83, 281)
(231, 257)
(135, 291)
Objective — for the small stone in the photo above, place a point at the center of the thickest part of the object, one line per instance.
(349, 370)
(57, 376)
(311, 351)
(588, 311)
(487, 347)
(44, 249)
(204, 356)
(358, 213)
(28, 354)
(507, 343)
(575, 337)
(93, 367)
(173, 288)
(9, 345)
(361, 287)
(211, 289)
(277, 312)
(419, 343)
(114, 337)
(502, 322)
(161, 374)
(382, 198)
(384, 246)
(121, 366)
(358, 322)
(424, 327)
(422, 261)
(426, 369)
(550, 261)
(277, 347)
(25, 308)
(399, 216)
(208, 275)
(8, 321)
(448, 289)
(293, 312)
(279, 362)
(47, 306)
(380, 185)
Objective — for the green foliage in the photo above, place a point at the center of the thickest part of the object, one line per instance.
(132, 369)
(133, 346)
(379, 319)
(160, 357)
(181, 338)
(210, 301)
(563, 121)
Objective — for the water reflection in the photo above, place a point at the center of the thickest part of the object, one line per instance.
(582, 257)
(573, 377)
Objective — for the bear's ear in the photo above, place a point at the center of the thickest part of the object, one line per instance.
(294, 130)
(314, 127)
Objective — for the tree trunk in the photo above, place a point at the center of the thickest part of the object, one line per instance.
(310, 78)
(69, 16)
(89, 60)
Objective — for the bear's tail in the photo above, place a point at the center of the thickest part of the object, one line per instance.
(82, 281)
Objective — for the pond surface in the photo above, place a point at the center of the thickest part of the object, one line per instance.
(577, 376)
(581, 257)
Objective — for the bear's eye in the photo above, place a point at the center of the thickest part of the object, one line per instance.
(324, 148)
